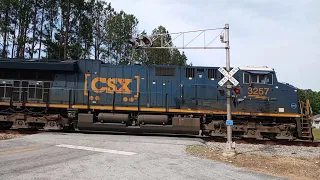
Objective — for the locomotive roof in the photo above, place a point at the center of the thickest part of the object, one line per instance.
(38, 64)
(69, 65)
(256, 68)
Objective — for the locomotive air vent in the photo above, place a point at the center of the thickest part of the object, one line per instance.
(164, 71)
(190, 73)
(212, 74)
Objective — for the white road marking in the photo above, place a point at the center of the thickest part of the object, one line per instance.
(97, 149)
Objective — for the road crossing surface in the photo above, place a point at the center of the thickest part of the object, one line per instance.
(108, 156)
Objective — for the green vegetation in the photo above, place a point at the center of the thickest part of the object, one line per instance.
(314, 98)
(316, 133)
(75, 29)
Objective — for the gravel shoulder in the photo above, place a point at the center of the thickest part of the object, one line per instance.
(4, 136)
(294, 162)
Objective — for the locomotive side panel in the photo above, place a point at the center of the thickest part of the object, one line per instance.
(62, 88)
(110, 85)
(147, 99)
(262, 93)
(25, 86)
(28, 90)
(164, 86)
(200, 89)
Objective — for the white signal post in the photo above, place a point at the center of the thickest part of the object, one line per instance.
(228, 75)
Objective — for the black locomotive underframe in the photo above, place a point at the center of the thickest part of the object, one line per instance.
(148, 122)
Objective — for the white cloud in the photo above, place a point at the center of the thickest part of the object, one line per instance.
(279, 34)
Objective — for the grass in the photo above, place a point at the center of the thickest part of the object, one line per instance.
(316, 133)
(289, 167)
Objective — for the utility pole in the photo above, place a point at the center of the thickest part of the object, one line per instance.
(229, 150)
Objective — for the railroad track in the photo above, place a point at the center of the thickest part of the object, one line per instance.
(206, 139)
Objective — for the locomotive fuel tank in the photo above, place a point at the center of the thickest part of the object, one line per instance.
(113, 118)
(153, 119)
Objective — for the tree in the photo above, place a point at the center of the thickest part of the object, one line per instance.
(314, 98)
(163, 56)
(118, 50)
(74, 29)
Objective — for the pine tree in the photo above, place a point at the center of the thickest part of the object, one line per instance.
(74, 29)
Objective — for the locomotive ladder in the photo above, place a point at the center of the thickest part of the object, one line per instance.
(306, 126)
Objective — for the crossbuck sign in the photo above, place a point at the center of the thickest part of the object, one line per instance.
(228, 76)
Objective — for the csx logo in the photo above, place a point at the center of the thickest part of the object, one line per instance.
(110, 85)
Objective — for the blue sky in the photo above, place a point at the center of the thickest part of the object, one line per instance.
(282, 34)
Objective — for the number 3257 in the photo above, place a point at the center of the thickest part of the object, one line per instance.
(258, 91)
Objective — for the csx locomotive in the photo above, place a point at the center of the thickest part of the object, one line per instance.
(91, 95)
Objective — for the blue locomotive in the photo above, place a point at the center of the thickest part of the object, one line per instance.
(92, 95)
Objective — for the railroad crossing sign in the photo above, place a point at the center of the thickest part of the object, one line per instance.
(228, 76)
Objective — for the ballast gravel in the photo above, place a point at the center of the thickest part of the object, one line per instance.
(4, 136)
(272, 150)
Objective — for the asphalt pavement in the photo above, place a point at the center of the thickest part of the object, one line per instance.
(78, 156)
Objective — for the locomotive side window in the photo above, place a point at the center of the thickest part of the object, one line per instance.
(39, 92)
(246, 78)
(5, 89)
(254, 78)
(35, 90)
(32, 91)
(16, 91)
(257, 78)
(24, 89)
(46, 87)
(1, 90)
(269, 79)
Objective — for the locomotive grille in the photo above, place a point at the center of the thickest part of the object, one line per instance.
(161, 71)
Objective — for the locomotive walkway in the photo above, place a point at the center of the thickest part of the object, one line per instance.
(104, 156)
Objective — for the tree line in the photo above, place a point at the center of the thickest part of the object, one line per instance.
(314, 98)
(76, 29)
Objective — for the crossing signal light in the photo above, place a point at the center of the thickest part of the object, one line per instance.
(221, 91)
(237, 90)
(140, 41)
(147, 41)
(134, 43)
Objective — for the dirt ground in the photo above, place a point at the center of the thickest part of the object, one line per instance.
(4, 136)
(282, 166)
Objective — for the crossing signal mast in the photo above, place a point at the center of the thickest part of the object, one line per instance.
(146, 42)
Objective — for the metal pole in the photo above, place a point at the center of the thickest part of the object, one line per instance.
(229, 132)
(228, 151)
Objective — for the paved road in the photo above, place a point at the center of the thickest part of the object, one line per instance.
(104, 156)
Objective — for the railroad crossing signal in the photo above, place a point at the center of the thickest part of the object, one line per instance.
(141, 41)
(228, 76)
